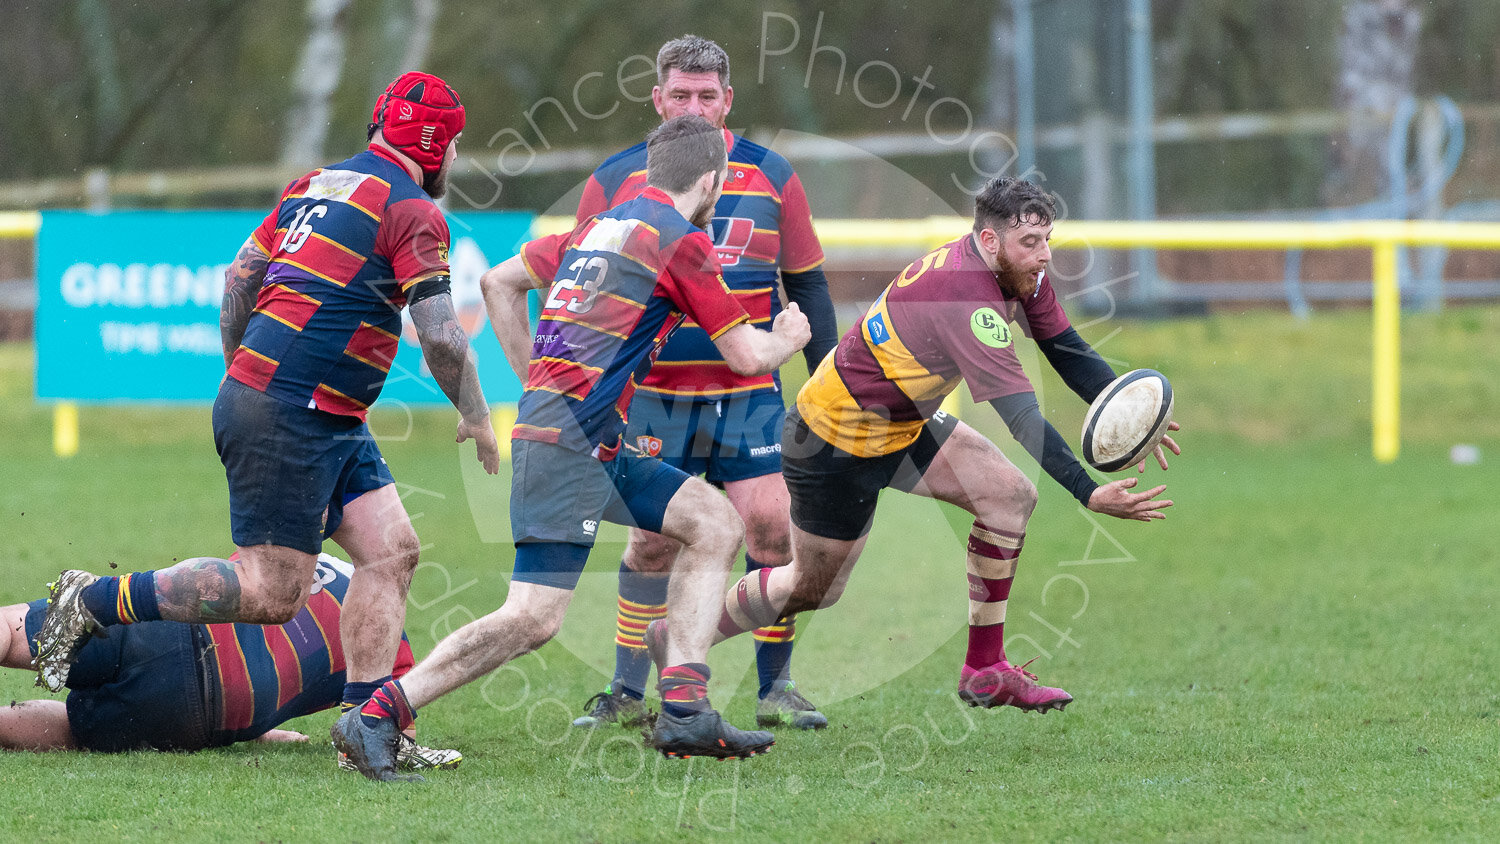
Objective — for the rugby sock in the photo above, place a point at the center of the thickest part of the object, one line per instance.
(992, 566)
(122, 600)
(684, 689)
(355, 694)
(643, 599)
(773, 643)
(389, 701)
(746, 607)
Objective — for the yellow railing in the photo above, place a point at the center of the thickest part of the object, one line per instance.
(1382, 237)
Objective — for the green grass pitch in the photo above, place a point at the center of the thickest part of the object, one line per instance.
(1305, 648)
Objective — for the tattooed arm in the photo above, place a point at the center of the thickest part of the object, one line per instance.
(445, 345)
(242, 283)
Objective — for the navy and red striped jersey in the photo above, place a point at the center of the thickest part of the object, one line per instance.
(761, 224)
(346, 243)
(271, 674)
(620, 283)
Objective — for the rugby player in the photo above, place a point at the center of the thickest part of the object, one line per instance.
(165, 685)
(692, 409)
(616, 286)
(310, 325)
(869, 418)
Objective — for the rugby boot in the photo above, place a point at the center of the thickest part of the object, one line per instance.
(785, 703)
(65, 629)
(1003, 684)
(372, 750)
(706, 733)
(411, 757)
(612, 707)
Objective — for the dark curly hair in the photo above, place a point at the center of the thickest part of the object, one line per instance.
(1007, 202)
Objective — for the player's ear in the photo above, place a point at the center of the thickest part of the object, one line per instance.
(728, 100)
(656, 101)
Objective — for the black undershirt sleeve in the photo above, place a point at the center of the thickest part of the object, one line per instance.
(809, 289)
(428, 288)
(1042, 441)
(1080, 367)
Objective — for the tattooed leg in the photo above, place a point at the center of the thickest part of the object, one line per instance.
(203, 589)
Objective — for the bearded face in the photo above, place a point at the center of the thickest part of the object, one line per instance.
(1017, 283)
(1023, 253)
(436, 184)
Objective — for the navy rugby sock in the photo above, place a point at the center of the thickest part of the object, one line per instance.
(122, 600)
(643, 599)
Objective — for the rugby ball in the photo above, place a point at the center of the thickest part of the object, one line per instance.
(1127, 420)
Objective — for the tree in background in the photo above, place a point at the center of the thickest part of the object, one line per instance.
(1377, 62)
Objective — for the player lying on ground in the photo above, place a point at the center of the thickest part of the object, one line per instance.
(166, 685)
(869, 419)
(617, 285)
(695, 412)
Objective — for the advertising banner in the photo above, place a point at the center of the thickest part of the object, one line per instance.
(128, 305)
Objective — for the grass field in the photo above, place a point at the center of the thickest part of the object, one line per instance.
(1304, 649)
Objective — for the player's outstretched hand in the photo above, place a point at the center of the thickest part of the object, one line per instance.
(791, 324)
(483, 434)
(277, 736)
(1161, 457)
(1116, 499)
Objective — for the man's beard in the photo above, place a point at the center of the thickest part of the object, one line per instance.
(1013, 282)
(705, 213)
(436, 184)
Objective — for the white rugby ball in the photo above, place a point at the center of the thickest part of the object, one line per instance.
(1127, 420)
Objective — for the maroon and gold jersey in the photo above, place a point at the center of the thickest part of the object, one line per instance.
(346, 243)
(942, 321)
(762, 226)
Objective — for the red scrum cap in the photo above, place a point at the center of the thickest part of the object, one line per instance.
(420, 115)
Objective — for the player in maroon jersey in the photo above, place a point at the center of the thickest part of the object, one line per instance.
(869, 418)
(692, 409)
(310, 321)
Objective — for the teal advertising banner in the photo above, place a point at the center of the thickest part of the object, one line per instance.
(128, 305)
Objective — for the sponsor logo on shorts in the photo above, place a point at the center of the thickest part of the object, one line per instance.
(763, 450)
(649, 445)
(590, 526)
(990, 328)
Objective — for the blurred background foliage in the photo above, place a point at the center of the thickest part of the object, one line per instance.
(182, 84)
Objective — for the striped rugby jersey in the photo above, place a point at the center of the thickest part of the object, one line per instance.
(943, 320)
(346, 243)
(270, 674)
(761, 223)
(621, 282)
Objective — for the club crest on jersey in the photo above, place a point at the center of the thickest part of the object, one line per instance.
(990, 328)
(649, 445)
(731, 238)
